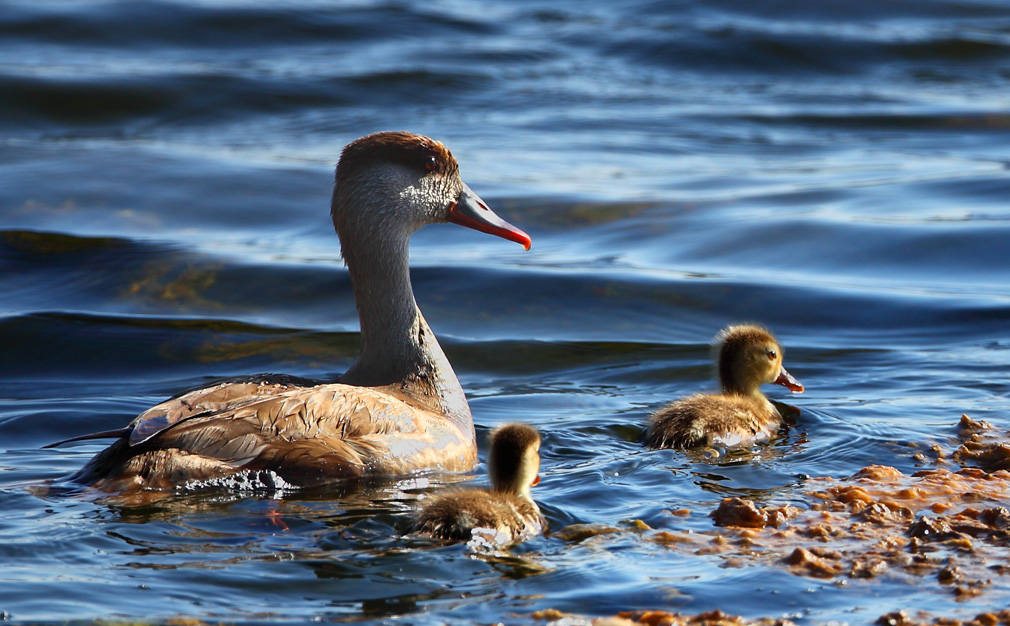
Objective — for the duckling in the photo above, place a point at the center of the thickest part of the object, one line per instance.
(748, 357)
(508, 508)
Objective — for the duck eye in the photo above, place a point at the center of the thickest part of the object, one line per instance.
(430, 162)
(772, 355)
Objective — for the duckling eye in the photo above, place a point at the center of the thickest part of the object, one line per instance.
(430, 163)
(772, 355)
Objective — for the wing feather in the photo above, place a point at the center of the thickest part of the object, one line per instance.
(307, 435)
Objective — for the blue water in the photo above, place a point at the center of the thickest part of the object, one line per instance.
(835, 170)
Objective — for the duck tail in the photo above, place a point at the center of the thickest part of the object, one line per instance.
(118, 433)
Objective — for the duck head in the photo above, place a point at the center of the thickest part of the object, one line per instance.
(514, 459)
(390, 184)
(748, 357)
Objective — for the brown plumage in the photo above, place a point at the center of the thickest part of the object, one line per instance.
(507, 507)
(398, 408)
(748, 356)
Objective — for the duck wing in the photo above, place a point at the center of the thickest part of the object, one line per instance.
(193, 403)
(208, 401)
(306, 435)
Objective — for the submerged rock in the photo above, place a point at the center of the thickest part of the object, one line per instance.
(744, 513)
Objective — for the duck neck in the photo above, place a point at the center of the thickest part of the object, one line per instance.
(397, 345)
(753, 393)
(734, 386)
(512, 485)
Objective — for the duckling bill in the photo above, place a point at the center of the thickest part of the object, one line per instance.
(507, 507)
(748, 357)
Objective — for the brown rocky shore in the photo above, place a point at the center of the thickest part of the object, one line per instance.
(946, 526)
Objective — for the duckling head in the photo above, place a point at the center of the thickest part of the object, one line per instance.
(748, 357)
(514, 459)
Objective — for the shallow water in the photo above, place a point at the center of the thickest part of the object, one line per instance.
(836, 171)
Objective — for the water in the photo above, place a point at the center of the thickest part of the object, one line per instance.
(837, 171)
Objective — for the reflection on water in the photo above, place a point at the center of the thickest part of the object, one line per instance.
(165, 170)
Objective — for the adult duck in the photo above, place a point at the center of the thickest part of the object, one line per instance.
(748, 357)
(397, 409)
(507, 508)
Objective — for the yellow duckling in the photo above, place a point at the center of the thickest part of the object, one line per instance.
(507, 508)
(748, 357)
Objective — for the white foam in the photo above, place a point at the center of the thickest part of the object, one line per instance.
(487, 541)
(258, 481)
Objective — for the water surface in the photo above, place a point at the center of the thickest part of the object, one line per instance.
(836, 171)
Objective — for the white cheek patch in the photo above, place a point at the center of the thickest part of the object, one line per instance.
(427, 196)
(412, 195)
(415, 198)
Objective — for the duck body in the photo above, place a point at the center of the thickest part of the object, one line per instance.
(507, 508)
(306, 436)
(748, 356)
(454, 516)
(398, 409)
(714, 420)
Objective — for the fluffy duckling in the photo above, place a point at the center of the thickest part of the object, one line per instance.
(748, 357)
(508, 508)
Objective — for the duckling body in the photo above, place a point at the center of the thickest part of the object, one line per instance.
(748, 356)
(507, 507)
(398, 408)
(724, 420)
(455, 516)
